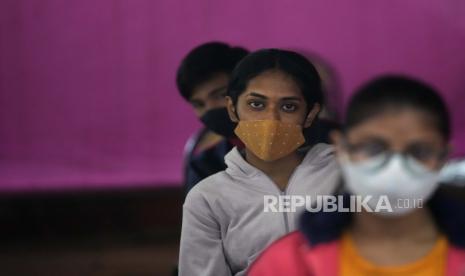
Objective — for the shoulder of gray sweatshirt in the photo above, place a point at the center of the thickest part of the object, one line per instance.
(224, 225)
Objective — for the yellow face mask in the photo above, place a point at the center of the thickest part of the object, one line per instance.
(270, 139)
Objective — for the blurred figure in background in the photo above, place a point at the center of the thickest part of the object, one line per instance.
(394, 143)
(273, 96)
(202, 80)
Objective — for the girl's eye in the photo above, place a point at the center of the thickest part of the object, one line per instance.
(256, 105)
(289, 107)
(423, 153)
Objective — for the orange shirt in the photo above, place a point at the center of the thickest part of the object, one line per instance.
(352, 264)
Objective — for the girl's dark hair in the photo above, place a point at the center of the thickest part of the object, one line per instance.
(204, 62)
(394, 92)
(291, 63)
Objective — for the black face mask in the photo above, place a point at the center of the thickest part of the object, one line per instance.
(218, 121)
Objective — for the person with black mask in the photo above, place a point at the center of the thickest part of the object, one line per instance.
(202, 80)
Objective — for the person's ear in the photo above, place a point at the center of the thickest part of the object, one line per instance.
(337, 140)
(231, 109)
(312, 115)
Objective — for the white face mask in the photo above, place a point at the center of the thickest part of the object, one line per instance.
(405, 183)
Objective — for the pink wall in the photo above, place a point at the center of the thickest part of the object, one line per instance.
(87, 94)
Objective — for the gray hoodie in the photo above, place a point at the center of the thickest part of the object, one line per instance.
(224, 226)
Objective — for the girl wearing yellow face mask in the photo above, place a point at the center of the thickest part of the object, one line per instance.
(273, 95)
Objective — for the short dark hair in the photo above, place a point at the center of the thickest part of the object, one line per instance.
(291, 63)
(392, 92)
(204, 62)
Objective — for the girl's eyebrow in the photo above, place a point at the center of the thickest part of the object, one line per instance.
(291, 99)
(254, 94)
(258, 95)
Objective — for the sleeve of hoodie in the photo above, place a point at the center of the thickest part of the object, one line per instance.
(201, 249)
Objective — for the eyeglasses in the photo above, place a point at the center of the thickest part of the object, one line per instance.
(380, 152)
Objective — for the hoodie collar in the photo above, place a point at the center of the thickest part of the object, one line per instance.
(238, 166)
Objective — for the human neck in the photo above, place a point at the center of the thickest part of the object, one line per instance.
(278, 170)
(378, 239)
(418, 224)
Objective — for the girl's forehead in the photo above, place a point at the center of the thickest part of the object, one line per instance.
(273, 84)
